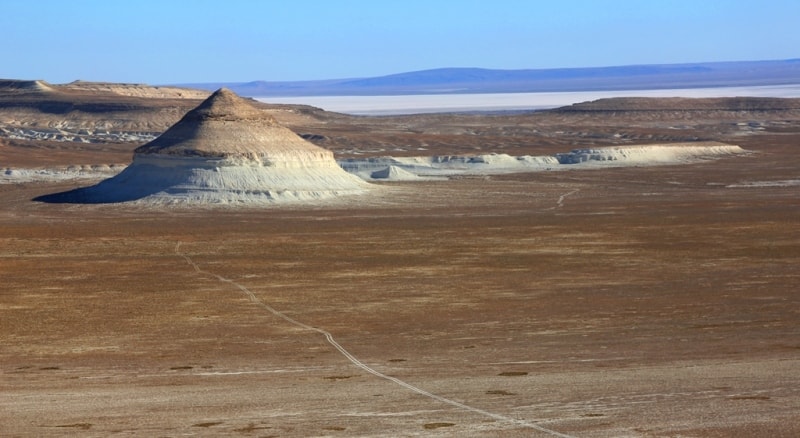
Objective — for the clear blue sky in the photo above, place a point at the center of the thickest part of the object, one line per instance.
(171, 41)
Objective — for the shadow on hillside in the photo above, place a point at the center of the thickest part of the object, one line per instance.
(125, 187)
(95, 195)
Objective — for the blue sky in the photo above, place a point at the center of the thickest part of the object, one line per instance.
(170, 41)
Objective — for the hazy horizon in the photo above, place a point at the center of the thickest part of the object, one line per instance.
(436, 103)
(204, 41)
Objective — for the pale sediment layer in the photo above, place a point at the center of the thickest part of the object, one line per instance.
(489, 164)
(650, 154)
(163, 179)
(386, 168)
(394, 173)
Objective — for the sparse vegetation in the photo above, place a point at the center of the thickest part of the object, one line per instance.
(82, 426)
(208, 424)
(431, 426)
(499, 392)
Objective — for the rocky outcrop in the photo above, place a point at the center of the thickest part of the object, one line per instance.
(224, 151)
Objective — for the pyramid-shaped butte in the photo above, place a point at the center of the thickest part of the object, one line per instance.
(227, 126)
(227, 150)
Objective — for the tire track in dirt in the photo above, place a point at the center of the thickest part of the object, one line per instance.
(560, 202)
(355, 361)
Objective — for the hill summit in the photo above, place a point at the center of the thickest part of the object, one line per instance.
(228, 126)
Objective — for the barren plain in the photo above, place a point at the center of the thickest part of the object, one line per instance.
(635, 301)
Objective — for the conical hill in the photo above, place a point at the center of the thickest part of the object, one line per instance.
(226, 125)
(226, 150)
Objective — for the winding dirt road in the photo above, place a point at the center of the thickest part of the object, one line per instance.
(355, 361)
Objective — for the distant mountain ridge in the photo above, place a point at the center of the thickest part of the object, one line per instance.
(480, 80)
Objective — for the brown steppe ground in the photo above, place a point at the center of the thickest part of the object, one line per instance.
(601, 303)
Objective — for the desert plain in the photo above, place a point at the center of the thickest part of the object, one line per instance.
(634, 301)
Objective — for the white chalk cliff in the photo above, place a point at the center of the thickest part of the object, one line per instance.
(226, 150)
